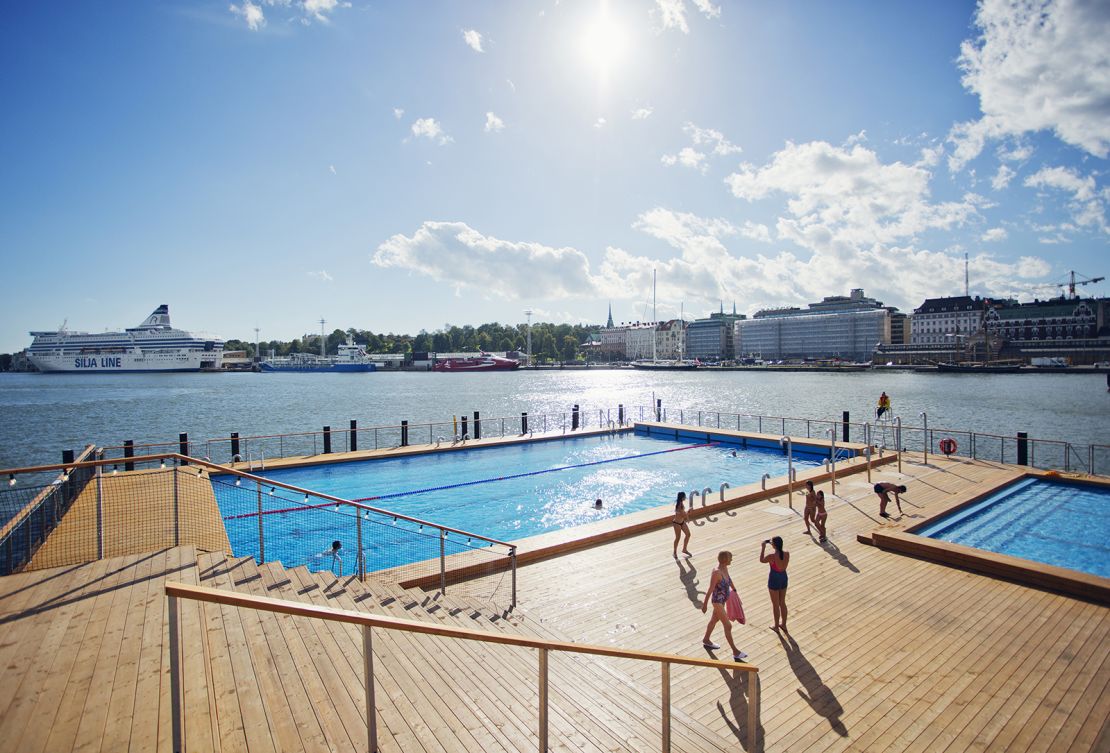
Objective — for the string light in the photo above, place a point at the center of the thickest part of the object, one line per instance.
(394, 517)
(271, 491)
(306, 498)
(163, 464)
(11, 479)
(115, 469)
(238, 481)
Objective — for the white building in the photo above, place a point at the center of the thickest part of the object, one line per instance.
(639, 340)
(942, 321)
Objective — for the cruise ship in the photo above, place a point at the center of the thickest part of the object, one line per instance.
(155, 345)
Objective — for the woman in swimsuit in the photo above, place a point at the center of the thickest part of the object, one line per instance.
(777, 580)
(811, 506)
(820, 516)
(720, 586)
(681, 524)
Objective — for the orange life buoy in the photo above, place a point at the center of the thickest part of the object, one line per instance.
(948, 445)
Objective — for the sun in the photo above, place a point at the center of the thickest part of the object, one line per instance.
(603, 43)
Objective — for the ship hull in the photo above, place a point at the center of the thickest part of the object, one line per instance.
(344, 368)
(123, 363)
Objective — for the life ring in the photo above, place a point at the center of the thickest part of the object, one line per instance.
(948, 445)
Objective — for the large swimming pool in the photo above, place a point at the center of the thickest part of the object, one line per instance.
(505, 493)
(1053, 522)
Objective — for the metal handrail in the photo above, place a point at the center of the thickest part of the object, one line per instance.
(175, 591)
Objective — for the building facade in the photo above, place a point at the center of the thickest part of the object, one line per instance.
(848, 335)
(943, 321)
(711, 339)
(670, 340)
(639, 340)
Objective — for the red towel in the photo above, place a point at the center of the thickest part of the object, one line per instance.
(734, 609)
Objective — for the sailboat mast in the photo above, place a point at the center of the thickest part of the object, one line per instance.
(654, 319)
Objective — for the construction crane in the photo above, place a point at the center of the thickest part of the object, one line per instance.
(1072, 282)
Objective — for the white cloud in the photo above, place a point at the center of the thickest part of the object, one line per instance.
(319, 9)
(251, 13)
(756, 231)
(473, 39)
(1037, 65)
(1002, 178)
(321, 275)
(642, 113)
(710, 141)
(454, 253)
(1087, 203)
(849, 195)
(430, 129)
(494, 123)
(671, 14)
(1016, 153)
(995, 234)
(398, 113)
(687, 157)
(332, 168)
(599, 123)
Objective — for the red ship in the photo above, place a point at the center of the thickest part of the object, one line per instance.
(483, 362)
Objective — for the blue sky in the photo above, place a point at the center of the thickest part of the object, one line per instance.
(399, 166)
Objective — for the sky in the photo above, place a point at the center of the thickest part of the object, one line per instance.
(400, 167)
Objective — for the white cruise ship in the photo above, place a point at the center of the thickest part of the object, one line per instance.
(152, 346)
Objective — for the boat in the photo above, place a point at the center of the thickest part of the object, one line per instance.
(155, 345)
(480, 362)
(994, 367)
(351, 358)
(679, 365)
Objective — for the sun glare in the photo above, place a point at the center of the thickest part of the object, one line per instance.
(603, 43)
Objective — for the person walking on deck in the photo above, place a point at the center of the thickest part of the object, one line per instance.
(811, 506)
(884, 490)
(776, 579)
(681, 523)
(821, 517)
(720, 586)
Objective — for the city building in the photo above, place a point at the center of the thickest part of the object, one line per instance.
(639, 340)
(711, 339)
(670, 340)
(845, 327)
(940, 321)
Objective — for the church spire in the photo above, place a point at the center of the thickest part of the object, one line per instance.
(609, 324)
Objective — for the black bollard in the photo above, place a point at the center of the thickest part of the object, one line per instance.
(404, 433)
(354, 435)
(477, 426)
(574, 417)
(327, 440)
(234, 444)
(128, 452)
(1022, 448)
(620, 414)
(844, 427)
(659, 409)
(463, 425)
(67, 456)
(524, 423)
(183, 446)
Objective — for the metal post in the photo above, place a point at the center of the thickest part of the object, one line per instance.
(128, 452)
(845, 425)
(543, 700)
(1022, 448)
(867, 443)
(512, 563)
(442, 561)
(666, 692)
(524, 423)
(405, 433)
(789, 471)
(261, 538)
(925, 418)
(183, 446)
(234, 444)
(176, 508)
(832, 454)
(898, 440)
(177, 679)
(361, 563)
(100, 511)
(368, 670)
(354, 435)
(477, 426)
(327, 440)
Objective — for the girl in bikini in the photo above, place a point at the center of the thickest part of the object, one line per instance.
(720, 586)
(820, 516)
(681, 524)
(776, 579)
(811, 506)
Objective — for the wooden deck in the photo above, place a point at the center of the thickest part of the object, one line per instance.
(886, 652)
(136, 511)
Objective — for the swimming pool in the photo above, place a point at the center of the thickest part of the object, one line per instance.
(507, 492)
(1054, 522)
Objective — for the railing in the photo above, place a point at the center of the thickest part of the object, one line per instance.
(174, 500)
(31, 511)
(1046, 454)
(176, 591)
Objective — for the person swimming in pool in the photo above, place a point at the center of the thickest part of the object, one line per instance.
(777, 581)
(681, 523)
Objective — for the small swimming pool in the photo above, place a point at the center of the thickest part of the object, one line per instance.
(1054, 522)
(506, 493)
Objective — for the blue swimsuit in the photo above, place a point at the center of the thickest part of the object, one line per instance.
(722, 590)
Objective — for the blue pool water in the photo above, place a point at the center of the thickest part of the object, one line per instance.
(566, 477)
(1053, 522)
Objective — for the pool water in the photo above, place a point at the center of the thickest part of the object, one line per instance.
(1053, 522)
(546, 486)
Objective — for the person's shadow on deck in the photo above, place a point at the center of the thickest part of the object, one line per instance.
(736, 715)
(842, 559)
(814, 691)
(689, 580)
